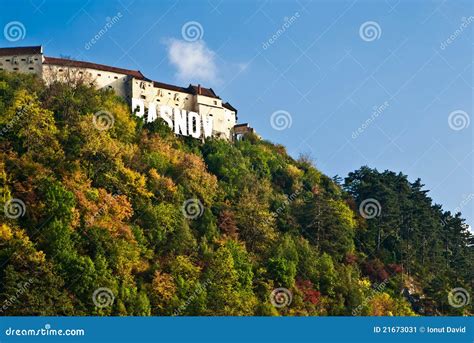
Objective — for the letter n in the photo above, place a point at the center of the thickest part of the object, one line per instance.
(180, 122)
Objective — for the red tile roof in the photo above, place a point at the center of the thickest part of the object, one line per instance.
(170, 87)
(24, 50)
(191, 89)
(229, 107)
(81, 64)
(204, 91)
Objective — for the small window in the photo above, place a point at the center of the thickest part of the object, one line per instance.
(115, 77)
(99, 74)
(8, 60)
(142, 96)
(15, 68)
(80, 73)
(23, 59)
(215, 102)
(60, 70)
(31, 68)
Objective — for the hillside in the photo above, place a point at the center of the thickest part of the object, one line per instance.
(106, 215)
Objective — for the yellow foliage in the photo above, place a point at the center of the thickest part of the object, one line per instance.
(5, 233)
(163, 286)
(294, 171)
(100, 208)
(383, 304)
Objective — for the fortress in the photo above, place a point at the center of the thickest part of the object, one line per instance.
(137, 90)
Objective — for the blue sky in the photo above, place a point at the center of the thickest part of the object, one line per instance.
(377, 83)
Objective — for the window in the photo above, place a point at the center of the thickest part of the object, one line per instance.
(215, 102)
(15, 68)
(142, 96)
(115, 77)
(31, 68)
(99, 74)
(23, 59)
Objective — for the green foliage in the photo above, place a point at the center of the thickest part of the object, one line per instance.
(105, 209)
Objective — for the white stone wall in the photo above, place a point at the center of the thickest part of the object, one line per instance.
(120, 83)
(22, 63)
(224, 119)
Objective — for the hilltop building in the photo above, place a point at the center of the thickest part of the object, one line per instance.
(130, 84)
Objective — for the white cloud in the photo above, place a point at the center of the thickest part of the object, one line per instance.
(194, 61)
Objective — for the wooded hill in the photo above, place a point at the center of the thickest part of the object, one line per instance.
(96, 199)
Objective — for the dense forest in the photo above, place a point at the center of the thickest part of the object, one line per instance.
(105, 214)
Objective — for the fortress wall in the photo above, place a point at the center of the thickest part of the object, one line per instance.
(126, 83)
(103, 79)
(25, 63)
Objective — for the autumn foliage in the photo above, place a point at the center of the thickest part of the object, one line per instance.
(175, 226)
